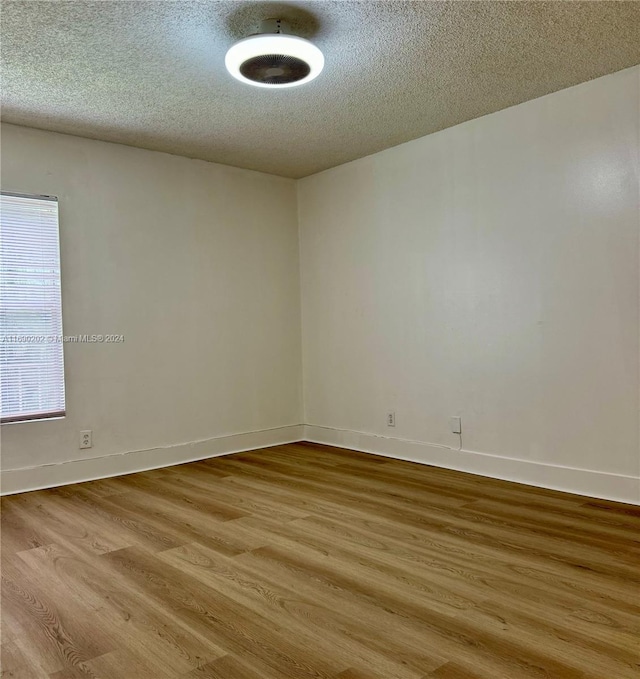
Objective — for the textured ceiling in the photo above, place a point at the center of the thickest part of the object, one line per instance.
(152, 74)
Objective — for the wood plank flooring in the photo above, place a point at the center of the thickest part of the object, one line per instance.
(309, 562)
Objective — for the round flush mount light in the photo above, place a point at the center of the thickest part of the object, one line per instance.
(274, 59)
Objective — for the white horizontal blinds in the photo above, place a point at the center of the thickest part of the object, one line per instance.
(31, 350)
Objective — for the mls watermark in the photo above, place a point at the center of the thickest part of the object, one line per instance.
(61, 339)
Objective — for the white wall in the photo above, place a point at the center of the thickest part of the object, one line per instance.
(197, 265)
(488, 271)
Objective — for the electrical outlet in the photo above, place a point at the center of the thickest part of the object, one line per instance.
(456, 424)
(86, 439)
(391, 419)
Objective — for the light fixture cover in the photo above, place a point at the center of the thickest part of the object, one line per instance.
(274, 60)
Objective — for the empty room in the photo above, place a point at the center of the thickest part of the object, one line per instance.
(320, 339)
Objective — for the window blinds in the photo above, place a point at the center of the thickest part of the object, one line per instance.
(31, 348)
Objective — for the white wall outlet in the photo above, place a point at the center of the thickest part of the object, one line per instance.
(86, 438)
(391, 419)
(456, 424)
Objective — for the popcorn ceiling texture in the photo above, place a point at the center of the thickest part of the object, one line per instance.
(151, 74)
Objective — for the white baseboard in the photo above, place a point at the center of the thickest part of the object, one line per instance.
(568, 479)
(89, 469)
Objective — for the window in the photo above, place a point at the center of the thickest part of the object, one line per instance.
(31, 360)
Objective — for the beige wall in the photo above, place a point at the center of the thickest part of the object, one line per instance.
(488, 271)
(197, 265)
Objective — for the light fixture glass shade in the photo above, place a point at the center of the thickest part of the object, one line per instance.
(267, 44)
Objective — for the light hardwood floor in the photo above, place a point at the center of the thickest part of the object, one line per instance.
(309, 562)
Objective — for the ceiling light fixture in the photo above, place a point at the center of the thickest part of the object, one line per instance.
(274, 59)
